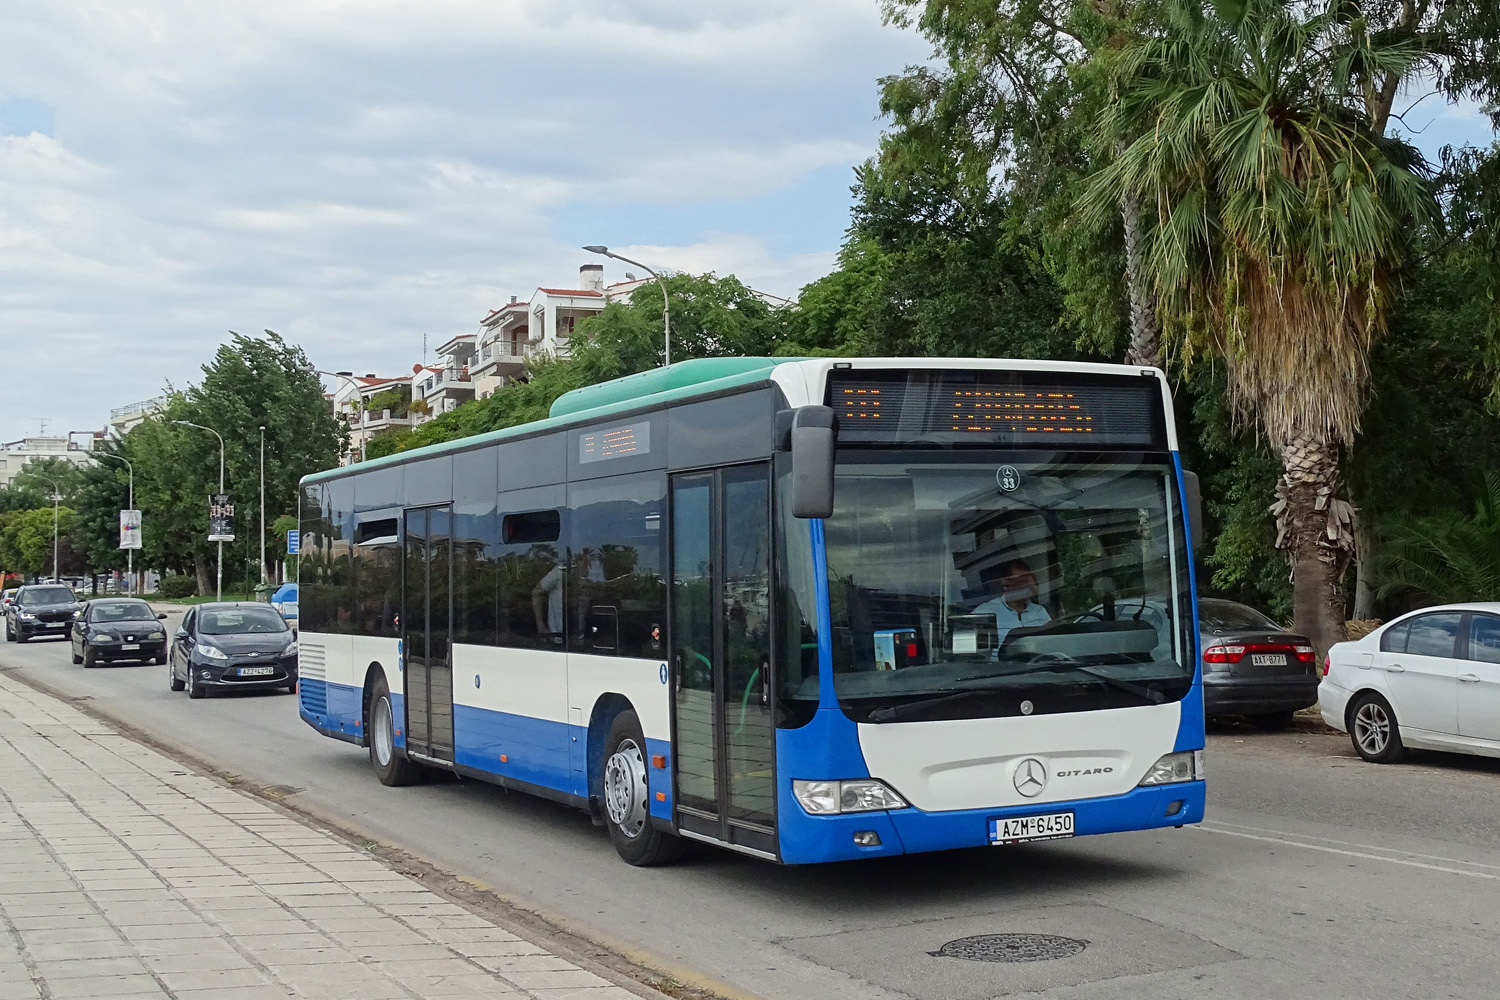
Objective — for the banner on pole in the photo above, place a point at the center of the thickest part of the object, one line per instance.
(130, 529)
(220, 518)
(293, 541)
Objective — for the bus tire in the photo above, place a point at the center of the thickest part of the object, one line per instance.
(627, 797)
(391, 767)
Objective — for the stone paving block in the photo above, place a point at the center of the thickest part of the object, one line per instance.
(56, 968)
(198, 961)
(506, 964)
(96, 930)
(459, 987)
(106, 988)
(272, 943)
(76, 951)
(308, 956)
(214, 979)
(610, 992)
(376, 939)
(495, 949)
(269, 991)
(156, 932)
(564, 979)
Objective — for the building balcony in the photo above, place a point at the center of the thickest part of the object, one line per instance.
(500, 358)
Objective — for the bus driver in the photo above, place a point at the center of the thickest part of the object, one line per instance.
(1016, 607)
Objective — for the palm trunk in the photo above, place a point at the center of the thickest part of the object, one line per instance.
(1364, 570)
(1316, 531)
(1145, 330)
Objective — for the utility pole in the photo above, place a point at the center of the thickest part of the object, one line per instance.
(129, 504)
(262, 503)
(219, 569)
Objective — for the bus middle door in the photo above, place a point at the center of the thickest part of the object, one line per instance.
(724, 732)
(426, 631)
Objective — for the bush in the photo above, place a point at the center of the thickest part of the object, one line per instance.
(177, 586)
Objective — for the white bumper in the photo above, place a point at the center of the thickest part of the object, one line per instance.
(1333, 700)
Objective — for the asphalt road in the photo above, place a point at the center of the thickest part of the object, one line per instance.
(1317, 875)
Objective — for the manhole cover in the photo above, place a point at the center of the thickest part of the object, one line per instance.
(1012, 948)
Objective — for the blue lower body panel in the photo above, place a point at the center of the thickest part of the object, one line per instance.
(332, 709)
(809, 839)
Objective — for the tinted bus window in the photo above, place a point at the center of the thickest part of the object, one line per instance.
(377, 574)
(476, 578)
(315, 609)
(529, 569)
(338, 513)
(616, 591)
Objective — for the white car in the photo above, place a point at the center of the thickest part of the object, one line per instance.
(1428, 679)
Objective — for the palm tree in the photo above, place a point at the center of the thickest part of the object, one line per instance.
(1275, 220)
(1449, 557)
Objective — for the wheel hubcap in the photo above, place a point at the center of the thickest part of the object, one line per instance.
(1372, 728)
(625, 788)
(384, 733)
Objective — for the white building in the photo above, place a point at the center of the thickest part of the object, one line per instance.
(445, 386)
(14, 455)
(543, 324)
(352, 400)
(124, 419)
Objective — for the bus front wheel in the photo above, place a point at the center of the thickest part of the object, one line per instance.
(627, 797)
(391, 768)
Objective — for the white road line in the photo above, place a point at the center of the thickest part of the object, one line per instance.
(1218, 825)
(1488, 876)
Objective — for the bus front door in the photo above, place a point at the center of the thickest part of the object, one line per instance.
(425, 634)
(724, 733)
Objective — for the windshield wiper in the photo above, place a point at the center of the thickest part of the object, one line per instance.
(895, 712)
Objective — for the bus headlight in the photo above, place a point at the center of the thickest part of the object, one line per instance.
(829, 798)
(1174, 768)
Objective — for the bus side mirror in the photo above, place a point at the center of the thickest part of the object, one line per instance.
(812, 461)
(1192, 502)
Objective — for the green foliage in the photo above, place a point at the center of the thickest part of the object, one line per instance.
(396, 399)
(175, 586)
(26, 540)
(1445, 556)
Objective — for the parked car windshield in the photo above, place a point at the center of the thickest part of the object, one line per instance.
(237, 621)
(1227, 616)
(120, 611)
(48, 595)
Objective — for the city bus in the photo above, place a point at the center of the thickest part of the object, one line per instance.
(804, 609)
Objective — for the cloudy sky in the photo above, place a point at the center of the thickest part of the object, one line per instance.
(357, 173)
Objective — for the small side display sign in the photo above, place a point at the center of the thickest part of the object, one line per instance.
(614, 442)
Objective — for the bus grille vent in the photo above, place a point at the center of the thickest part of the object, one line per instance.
(311, 661)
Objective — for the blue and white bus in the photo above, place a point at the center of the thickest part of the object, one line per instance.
(808, 610)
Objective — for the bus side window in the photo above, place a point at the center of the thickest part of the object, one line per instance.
(528, 563)
(616, 590)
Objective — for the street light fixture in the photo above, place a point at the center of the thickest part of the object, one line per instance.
(130, 505)
(666, 310)
(219, 569)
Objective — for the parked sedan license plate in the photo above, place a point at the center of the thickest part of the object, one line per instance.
(1268, 659)
(130, 645)
(1018, 829)
(256, 671)
(54, 624)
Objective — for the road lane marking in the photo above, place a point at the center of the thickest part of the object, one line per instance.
(1350, 844)
(1406, 862)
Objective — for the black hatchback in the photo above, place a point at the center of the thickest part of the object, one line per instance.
(1252, 666)
(226, 646)
(119, 628)
(40, 609)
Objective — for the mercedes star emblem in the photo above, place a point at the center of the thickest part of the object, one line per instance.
(1031, 777)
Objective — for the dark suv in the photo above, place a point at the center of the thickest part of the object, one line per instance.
(40, 609)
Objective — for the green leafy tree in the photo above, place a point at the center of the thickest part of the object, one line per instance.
(1446, 556)
(1282, 218)
(26, 541)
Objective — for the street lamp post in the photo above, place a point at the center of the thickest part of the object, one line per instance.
(130, 504)
(262, 503)
(56, 497)
(666, 310)
(219, 569)
(350, 377)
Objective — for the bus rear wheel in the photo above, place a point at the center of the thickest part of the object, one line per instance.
(391, 768)
(627, 797)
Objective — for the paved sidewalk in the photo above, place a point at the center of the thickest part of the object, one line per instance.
(124, 874)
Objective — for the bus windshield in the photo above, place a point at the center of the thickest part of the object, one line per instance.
(980, 585)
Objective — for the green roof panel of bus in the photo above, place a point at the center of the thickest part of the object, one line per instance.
(684, 380)
(683, 375)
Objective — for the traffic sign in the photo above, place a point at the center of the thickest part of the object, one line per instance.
(293, 540)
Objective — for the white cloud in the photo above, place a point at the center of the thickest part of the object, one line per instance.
(355, 173)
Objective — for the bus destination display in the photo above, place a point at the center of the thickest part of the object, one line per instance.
(614, 442)
(996, 407)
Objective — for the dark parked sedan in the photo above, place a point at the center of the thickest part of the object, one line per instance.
(118, 629)
(1253, 667)
(40, 609)
(232, 646)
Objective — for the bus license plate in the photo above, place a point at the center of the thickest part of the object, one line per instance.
(1019, 829)
(257, 671)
